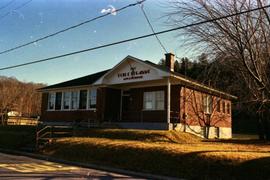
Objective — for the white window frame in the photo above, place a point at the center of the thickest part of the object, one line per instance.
(207, 104)
(80, 99)
(60, 102)
(49, 100)
(223, 107)
(228, 108)
(152, 97)
(77, 100)
(77, 103)
(218, 105)
(63, 100)
(90, 98)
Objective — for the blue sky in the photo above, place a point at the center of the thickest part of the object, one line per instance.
(42, 17)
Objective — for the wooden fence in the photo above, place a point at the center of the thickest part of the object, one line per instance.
(17, 120)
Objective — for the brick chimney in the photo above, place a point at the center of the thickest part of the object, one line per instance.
(169, 61)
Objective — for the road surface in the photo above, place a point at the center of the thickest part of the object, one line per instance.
(21, 167)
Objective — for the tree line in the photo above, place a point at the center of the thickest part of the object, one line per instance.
(18, 96)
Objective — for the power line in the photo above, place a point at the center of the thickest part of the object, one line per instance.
(131, 39)
(7, 4)
(15, 9)
(152, 29)
(69, 28)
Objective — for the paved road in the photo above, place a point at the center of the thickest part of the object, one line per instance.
(21, 167)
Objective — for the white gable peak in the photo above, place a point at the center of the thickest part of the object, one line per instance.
(130, 70)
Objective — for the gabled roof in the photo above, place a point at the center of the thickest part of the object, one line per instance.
(92, 79)
(161, 72)
(85, 80)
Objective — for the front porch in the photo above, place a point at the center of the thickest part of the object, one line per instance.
(127, 105)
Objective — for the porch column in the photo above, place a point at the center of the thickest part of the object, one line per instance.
(168, 100)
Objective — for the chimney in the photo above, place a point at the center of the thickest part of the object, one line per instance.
(169, 61)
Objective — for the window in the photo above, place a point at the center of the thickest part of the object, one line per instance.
(92, 98)
(153, 100)
(218, 105)
(58, 100)
(148, 100)
(228, 109)
(159, 100)
(207, 104)
(51, 101)
(83, 99)
(223, 107)
(66, 98)
(74, 100)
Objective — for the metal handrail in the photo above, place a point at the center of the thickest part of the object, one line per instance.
(48, 132)
(45, 134)
(38, 136)
(43, 129)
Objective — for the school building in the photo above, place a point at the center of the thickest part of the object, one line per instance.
(139, 94)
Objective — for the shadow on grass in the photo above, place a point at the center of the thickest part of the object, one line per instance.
(138, 135)
(123, 135)
(16, 137)
(190, 165)
(255, 169)
(239, 141)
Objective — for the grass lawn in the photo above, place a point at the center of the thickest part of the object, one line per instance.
(167, 153)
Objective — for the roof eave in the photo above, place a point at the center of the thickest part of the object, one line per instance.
(224, 94)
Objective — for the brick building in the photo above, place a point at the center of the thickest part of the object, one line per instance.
(139, 94)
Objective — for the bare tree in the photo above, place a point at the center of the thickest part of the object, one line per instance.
(244, 40)
(18, 96)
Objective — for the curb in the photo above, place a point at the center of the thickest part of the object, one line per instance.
(88, 165)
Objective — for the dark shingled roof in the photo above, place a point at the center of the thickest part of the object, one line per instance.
(203, 89)
(90, 79)
(85, 80)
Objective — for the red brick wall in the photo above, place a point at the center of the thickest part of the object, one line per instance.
(175, 103)
(70, 116)
(192, 106)
(106, 105)
(136, 113)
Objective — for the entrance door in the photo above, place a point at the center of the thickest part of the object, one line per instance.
(112, 105)
(126, 101)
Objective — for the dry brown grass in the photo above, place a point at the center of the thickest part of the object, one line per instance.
(168, 153)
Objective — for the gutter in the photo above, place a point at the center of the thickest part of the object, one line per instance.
(204, 87)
